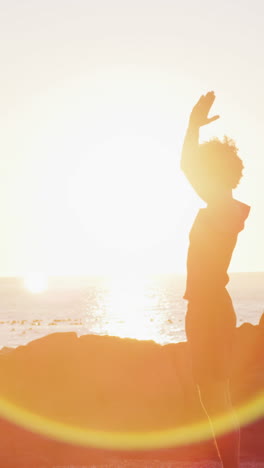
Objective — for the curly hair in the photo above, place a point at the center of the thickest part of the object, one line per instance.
(221, 161)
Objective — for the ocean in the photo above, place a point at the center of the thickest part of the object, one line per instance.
(145, 307)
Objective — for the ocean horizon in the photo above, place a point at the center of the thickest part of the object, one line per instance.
(149, 307)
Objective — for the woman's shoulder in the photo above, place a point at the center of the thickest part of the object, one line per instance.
(242, 208)
(229, 216)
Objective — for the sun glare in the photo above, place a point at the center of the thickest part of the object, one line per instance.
(122, 195)
(128, 310)
(35, 283)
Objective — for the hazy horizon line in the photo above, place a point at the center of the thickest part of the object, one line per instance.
(126, 274)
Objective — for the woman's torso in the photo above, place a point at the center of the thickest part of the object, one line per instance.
(212, 240)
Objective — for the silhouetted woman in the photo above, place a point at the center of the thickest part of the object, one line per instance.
(213, 169)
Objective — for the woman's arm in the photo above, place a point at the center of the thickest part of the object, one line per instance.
(199, 116)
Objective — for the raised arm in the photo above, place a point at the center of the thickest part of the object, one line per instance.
(190, 163)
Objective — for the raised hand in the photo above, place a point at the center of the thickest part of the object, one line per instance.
(199, 114)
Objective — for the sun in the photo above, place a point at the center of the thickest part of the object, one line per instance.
(35, 283)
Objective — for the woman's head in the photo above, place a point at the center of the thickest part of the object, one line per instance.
(221, 167)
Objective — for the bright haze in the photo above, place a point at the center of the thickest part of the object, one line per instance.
(95, 98)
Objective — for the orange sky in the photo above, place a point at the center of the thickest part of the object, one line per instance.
(95, 98)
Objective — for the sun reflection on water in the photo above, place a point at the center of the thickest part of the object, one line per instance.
(129, 309)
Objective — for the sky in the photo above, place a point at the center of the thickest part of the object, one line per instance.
(95, 99)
